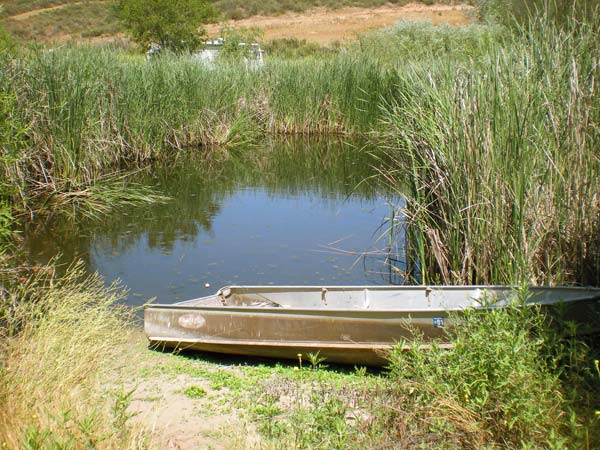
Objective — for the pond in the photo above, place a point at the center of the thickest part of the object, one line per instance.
(283, 213)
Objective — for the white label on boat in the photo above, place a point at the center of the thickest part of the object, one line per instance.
(438, 322)
(191, 321)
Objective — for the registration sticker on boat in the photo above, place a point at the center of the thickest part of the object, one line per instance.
(438, 322)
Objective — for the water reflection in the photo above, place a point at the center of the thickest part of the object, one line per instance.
(292, 212)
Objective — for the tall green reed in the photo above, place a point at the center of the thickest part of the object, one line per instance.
(499, 161)
(92, 111)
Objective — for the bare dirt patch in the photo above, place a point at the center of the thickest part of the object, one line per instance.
(35, 12)
(326, 26)
(180, 422)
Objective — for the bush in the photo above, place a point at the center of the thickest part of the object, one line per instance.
(171, 24)
(499, 385)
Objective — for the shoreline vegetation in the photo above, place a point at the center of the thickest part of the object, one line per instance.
(493, 132)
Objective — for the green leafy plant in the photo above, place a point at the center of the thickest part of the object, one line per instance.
(237, 43)
(499, 384)
(316, 361)
(172, 24)
(122, 401)
(195, 392)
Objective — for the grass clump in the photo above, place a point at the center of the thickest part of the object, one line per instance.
(494, 387)
(195, 392)
(63, 343)
(505, 383)
(294, 48)
(514, 12)
(414, 41)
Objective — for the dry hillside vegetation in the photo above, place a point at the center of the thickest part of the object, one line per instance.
(93, 21)
(325, 26)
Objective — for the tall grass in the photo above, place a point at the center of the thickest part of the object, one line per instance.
(86, 112)
(515, 12)
(62, 345)
(499, 162)
(495, 132)
(423, 43)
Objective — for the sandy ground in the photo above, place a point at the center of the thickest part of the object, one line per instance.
(180, 422)
(326, 26)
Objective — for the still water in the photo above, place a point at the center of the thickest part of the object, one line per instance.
(295, 213)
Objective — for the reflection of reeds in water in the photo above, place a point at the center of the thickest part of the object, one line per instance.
(500, 164)
(194, 187)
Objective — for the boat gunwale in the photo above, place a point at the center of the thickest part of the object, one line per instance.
(185, 305)
(285, 309)
(409, 287)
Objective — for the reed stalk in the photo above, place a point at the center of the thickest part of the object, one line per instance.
(500, 161)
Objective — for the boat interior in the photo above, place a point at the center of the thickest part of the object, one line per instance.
(381, 297)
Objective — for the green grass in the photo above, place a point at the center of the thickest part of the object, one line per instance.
(195, 392)
(422, 41)
(515, 12)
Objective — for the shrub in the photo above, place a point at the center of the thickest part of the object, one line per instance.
(497, 386)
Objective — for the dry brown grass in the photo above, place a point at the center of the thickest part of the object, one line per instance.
(325, 26)
(63, 343)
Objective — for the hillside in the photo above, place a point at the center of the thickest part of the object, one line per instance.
(48, 20)
(321, 21)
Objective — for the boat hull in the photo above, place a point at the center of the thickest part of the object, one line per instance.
(349, 337)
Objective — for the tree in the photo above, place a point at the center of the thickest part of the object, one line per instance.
(173, 24)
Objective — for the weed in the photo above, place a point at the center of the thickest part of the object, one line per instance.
(316, 361)
(122, 401)
(195, 392)
(504, 385)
